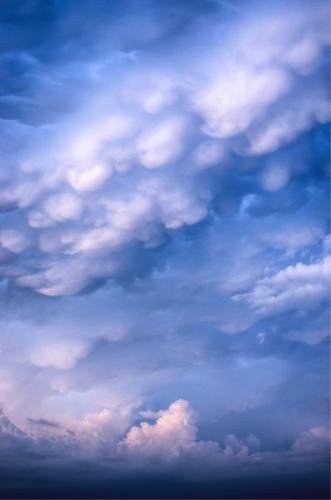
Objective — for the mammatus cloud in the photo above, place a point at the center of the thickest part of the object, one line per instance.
(112, 176)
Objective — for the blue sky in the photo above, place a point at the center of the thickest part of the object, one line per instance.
(164, 248)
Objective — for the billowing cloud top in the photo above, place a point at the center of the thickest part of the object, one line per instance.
(163, 238)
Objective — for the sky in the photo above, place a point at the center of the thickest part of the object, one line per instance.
(164, 248)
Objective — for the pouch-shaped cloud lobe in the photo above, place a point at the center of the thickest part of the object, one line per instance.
(164, 266)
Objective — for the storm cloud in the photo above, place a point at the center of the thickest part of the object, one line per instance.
(164, 247)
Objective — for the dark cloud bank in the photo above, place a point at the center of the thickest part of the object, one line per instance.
(164, 249)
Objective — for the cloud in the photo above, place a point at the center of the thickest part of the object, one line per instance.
(43, 422)
(164, 205)
(315, 440)
(14, 240)
(274, 178)
(64, 206)
(301, 286)
(132, 153)
(287, 124)
(90, 178)
(162, 144)
(62, 354)
(168, 447)
(231, 105)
